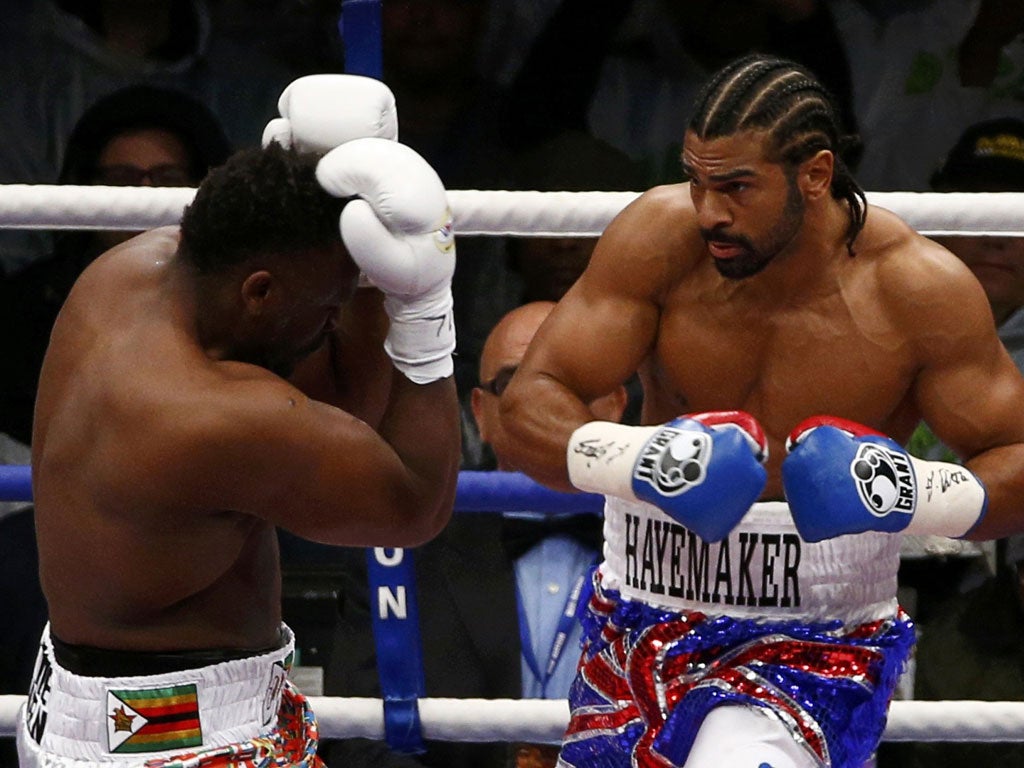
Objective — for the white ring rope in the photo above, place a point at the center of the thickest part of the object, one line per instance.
(544, 721)
(477, 212)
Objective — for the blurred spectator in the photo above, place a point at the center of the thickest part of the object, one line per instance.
(69, 53)
(302, 35)
(572, 161)
(987, 157)
(627, 72)
(471, 583)
(511, 29)
(965, 596)
(551, 556)
(544, 268)
(431, 50)
(139, 136)
(923, 71)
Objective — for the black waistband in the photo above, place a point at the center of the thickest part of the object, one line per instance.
(87, 661)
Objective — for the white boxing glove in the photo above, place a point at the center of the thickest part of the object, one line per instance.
(321, 112)
(400, 235)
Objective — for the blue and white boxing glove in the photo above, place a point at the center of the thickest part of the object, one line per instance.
(704, 470)
(321, 112)
(842, 477)
(399, 233)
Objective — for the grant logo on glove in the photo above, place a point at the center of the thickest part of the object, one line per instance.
(703, 470)
(674, 460)
(444, 235)
(892, 490)
(884, 480)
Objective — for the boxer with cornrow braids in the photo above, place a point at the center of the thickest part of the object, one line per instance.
(745, 613)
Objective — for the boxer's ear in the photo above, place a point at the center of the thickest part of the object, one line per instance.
(814, 175)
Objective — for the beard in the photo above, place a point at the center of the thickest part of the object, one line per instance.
(755, 257)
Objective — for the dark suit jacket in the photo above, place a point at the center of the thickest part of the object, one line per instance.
(470, 632)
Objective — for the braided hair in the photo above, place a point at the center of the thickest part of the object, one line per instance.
(759, 92)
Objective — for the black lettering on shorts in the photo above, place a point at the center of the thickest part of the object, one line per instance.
(38, 698)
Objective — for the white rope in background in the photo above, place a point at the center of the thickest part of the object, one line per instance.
(544, 721)
(478, 212)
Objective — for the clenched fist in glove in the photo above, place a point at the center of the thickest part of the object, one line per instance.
(399, 233)
(321, 112)
(842, 477)
(704, 470)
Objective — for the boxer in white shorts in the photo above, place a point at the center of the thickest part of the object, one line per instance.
(274, 361)
(204, 712)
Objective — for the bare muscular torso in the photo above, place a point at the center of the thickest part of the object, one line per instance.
(896, 333)
(722, 346)
(125, 562)
(819, 333)
(133, 555)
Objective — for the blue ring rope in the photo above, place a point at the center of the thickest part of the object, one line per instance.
(476, 492)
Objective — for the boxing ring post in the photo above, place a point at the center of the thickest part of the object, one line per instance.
(390, 572)
(360, 28)
(520, 214)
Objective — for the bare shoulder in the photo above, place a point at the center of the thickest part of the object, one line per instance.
(229, 403)
(160, 237)
(916, 277)
(655, 238)
(658, 215)
(154, 241)
(124, 259)
(222, 422)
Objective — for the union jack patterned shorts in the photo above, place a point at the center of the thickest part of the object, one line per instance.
(648, 677)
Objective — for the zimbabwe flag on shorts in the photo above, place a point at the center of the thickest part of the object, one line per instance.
(153, 719)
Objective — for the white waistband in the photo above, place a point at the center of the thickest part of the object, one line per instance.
(127, 720)
(762, 570)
